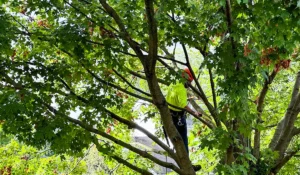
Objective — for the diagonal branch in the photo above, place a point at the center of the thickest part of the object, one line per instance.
(144, 77)
(103, 11)
(108, 83)
(173, 60)
(170, 56)
(127, 82)
(115, 86)
(296, 131)
(11, 81)
(282, 123)
(113, 139)
(289, 119)
(259, 109)
(280, 164)
(131, 166)
(202, 94)
(263, 92)
(199, 94)
(124, 34)
(122, 161)
(130, 124)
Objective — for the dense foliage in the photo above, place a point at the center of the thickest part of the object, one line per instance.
(16, 158)
(73, 73)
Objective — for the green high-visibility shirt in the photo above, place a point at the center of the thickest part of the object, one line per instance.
(177, 96)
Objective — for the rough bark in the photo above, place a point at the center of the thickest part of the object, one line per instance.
(281, 163)
(289, 120)
(281, 125)
(229, 155)
(276, 135)
(296, 131)
(211, 109)
(205, 120)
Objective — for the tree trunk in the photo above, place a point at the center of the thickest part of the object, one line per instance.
(160, 102)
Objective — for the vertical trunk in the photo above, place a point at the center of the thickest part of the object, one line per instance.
(149, 63)
(160, 102)
(256, 144)
(277, 134)
(229, 155)
(288, 121)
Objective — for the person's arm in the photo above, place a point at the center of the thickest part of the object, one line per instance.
(191, 111)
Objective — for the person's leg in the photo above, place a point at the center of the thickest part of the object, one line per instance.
(183, 132)
(182, 129)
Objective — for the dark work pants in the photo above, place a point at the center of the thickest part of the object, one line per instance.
(181, 127)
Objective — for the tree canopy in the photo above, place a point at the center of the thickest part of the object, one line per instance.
(99, 58)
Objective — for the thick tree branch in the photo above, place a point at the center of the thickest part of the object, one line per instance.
(131, 166)
(203, 96)
(158, 99)
(280, 164)
(296, 131)
(122, 161)
(170, 56)
(276, 136)
(264, 91)
(144, 77)
(173, 60)
(212, 85)
(113, 139)
(147, 133)
(229, 25)
(259, 109)
(11, 81)
(289, 119)
(152, 27)
(130, 124)
(115, 86)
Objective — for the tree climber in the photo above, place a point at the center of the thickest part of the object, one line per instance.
(177, 96)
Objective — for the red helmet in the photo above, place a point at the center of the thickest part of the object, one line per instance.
(187, 74)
